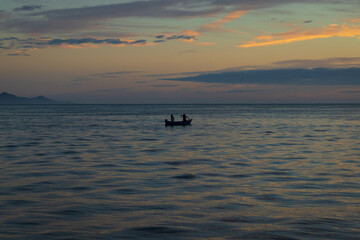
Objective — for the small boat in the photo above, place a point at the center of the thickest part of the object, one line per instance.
(177, 123)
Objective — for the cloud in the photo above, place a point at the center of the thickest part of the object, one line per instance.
(350, 91)
(357, 20)
(332, 30)
(28, 8)
(320, 63)
(73, 19)
(154, 8)
(330, 63)
(175, 74)
(185, 35)
(20, 46)
(70, 19)
(164, 85)
(316, 76)
(204, 43)
(93, 41)
(244, 91)
(162, 37)
(114, 74)
(216, 26)
(29, 44)
(81, 20)
(81, 79)
(18, 54)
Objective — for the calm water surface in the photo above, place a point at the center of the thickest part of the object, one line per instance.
(238, 172)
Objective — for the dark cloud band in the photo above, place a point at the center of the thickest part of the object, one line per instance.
(57, 42)
(24, 45)
(317, 76)
(27, 8)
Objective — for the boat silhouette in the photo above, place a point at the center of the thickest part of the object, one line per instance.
(177, 123)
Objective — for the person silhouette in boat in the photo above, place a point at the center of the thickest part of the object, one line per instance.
(172, 117)
(184, 117)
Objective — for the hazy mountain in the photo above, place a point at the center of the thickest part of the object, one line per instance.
(7, 98)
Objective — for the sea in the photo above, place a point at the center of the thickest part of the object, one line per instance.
(271, 171)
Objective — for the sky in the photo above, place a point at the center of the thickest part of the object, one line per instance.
(181, 51)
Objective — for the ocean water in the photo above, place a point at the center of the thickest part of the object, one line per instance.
(238, 172)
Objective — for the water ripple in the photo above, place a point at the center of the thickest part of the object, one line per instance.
(239, 172)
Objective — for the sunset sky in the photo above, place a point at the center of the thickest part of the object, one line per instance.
(181, 51)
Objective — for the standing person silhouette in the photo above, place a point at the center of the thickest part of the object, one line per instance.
(184, 117)
(172, 117)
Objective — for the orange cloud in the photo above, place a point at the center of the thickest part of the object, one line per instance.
(190, 33)
(333, 30)
(357, 20)
(143, 44)
(216, 25)
(193, 33)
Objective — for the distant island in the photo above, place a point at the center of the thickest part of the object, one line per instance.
(7, 98)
